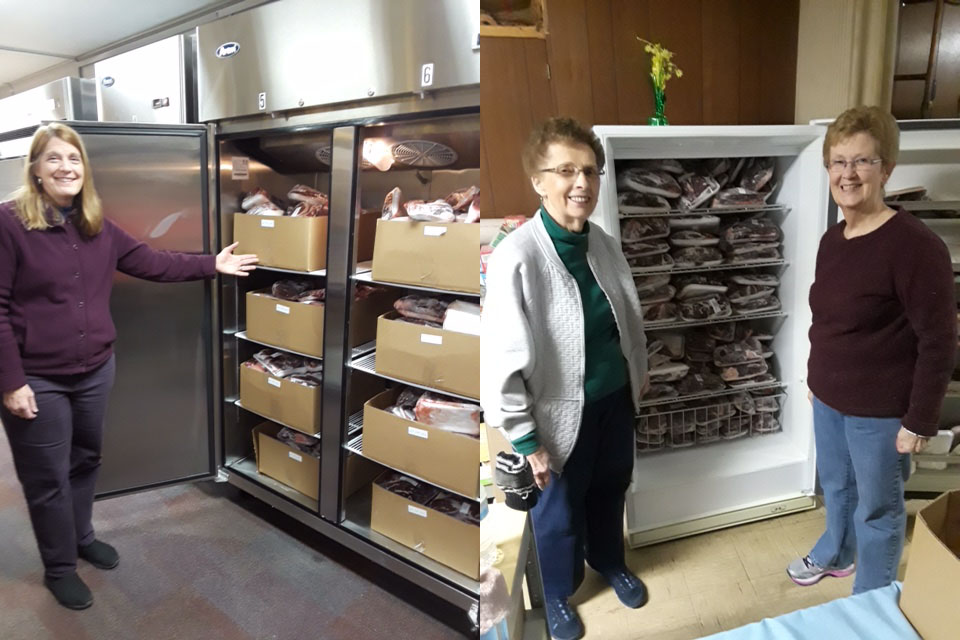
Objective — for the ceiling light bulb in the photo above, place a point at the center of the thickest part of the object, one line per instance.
(377, 152)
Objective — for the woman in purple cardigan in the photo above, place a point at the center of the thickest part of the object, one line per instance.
(58, 255)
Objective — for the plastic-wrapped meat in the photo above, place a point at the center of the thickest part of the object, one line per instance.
(765, 378)
(743, 371)
(281, 365)
(436, 211)
(268, 209)
(762, 279)
(449, 414)
(747, 253)
(256, 197)
(751, 249)
(290, 289)
(738, 353)
(630, 202)
(364, 291)
(745, 293)
(460, 200)
(694, 222)
(693, 238)
(392, 205)
(699, 358)
(736, 166)
(301, 441)
(421, 308)
(256, 366)
(658, 183)
(661, 391)
(306, 379)
(473, 211)
(403, 412)
(673, 344)
(734, 427)
(706, 308)
(702, 382)
(745, 403)
(663, 369)
(697, 190)
(759, 305)
(663, 312)
(409, 397)
(744, 331)
(697, 285)
(714, 413)
(456, 507)
(737, 198)
(667, 164)
(303, 193)
(716, 166)
(701, 341)
(764, 423)
(723, 332)
(407, 487)
(420, 323)
(646, 285)
(697, 257)
(757, 173)
(663, 294)
(644, 248)
(659, 261)
(314, 296)
(310, 210)
(752, 230)
(636, 229)
(768, 404)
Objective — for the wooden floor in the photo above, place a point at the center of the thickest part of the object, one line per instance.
(715, 581)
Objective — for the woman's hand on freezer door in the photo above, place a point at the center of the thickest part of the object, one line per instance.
(235, 265)
(540, 465)
(21, 402)
(910, 443)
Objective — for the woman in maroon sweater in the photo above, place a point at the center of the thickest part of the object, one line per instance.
(58, 255)
(882, 347)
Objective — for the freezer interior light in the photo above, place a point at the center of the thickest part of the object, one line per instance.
(377, 152)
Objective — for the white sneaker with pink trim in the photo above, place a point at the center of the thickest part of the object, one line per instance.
(805, 572)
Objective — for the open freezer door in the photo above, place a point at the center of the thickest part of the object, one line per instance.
(160, 425)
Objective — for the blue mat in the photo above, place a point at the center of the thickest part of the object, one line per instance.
(872, 615)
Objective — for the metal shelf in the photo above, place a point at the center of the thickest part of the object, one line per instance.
(355, 424)
(363, 349)
(243, 336)
(642, 271)
(282, 424)
(248, 467)
(368, 364)
(675, 213)
(928, 205)
(320, 272)
(367, 277)
(712, 394)
(682, 324)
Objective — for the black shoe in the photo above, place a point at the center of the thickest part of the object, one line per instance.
(70, 591)
(629, 588)
(563, 621)
(99, 554)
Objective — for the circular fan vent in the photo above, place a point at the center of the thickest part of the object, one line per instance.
(424, 153)
(323, 155)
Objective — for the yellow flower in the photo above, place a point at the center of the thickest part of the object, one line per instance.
(662, 67)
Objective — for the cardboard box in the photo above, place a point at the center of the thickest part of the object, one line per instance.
(930, 588)
(299, 244)
(444, 360)
(287, 402)
(436, 535)
(358, 473)
(365, 230)
(428, 254)
(283, 463)
(448, 460)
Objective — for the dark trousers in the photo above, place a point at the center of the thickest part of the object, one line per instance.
(580, 513)
(57, 456)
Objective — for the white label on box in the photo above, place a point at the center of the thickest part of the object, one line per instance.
(282, 308)
(267, 224)
(417, 511)
(274, 382)
(434, 231)
(295, 456)
(420, 433)
(239, 168)
(429, 339)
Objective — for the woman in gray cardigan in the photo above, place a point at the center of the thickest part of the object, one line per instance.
(564, 365)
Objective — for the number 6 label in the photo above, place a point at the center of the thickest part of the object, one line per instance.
(426, 75)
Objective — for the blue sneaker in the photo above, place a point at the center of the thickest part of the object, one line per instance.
(563, 621)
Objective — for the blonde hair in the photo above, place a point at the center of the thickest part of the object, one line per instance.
(874, 121)
(31, 200)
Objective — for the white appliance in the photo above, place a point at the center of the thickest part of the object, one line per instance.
(684, 491)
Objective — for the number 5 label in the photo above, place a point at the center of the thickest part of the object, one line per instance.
(426, 75)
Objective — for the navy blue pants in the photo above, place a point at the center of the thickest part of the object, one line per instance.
(57, 457)
(579, 516)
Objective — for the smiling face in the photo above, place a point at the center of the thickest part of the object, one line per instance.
(568, 200)
(59, 168)
(858, 190)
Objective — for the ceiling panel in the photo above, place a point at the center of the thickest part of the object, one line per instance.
(14, 66)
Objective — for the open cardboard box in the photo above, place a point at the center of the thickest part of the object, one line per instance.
(448, 460)
(292, 404)
(931, 586)
(428, 254)
(283, 463)
(444, 360)
(299, 244)
(436, 535)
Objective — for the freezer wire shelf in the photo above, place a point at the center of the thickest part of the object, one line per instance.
(762, 386)
(318, 272)
(716, 422)
(355, 424)
(282, 424)
(243, 336)
(363, 349)
(367, 277)
(355, 444)
(674, 213)
(681, 324)
(368, 364)
(644, 271)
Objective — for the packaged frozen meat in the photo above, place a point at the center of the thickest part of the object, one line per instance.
(697, 257)
(702, 382)
(738, 198)
(707, 308)
(658, 262)
(634, 202)
(737, 353)
(668, 164)
(693, 238)
(300, 441)
(758, 305)
(449, 414)
(698, 285)
(760, 229)
(644, 248)
(462, 317)
(662, 312)
(697, 190)
(281, 365)
(663, 294)
(436, 211)
(456, 507)
(745, 403)
(421, 307)
(661, 391)
(761, 279)
(757, 173)
(743, 371)
(407, 487)
(256, 197)
(461, 199)
(648, 284)
(694, 222)
(659, 183)
(723, 332)
(637, 229)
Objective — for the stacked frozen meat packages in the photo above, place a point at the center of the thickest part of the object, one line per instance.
(462, 205)
(303, 371)
(302, 201)
(703, 241)
(438, 410)
(439, 312)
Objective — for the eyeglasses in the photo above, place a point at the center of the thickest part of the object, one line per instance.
(860, 165)
(572, 171)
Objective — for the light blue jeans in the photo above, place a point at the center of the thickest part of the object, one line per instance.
(862, 475)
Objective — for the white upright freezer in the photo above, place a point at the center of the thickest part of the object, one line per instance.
(682, 487)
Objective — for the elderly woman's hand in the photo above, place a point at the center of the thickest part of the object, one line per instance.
(909, 443)
(232, 265)
(21, 402)
(540, 465)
